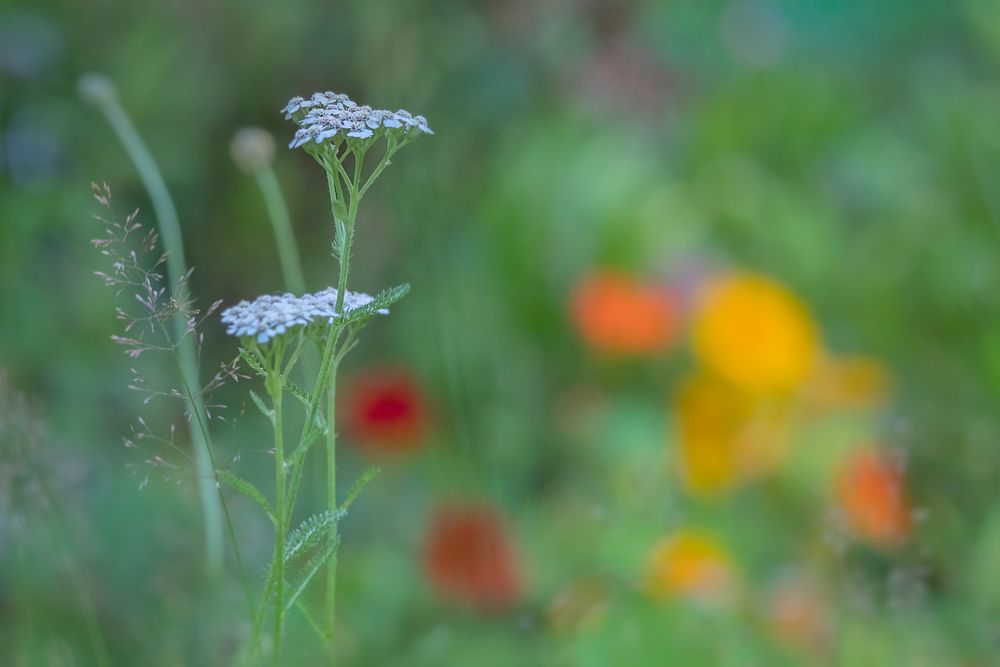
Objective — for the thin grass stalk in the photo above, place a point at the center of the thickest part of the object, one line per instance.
(290, 261)
(277, 213)
(170, 233)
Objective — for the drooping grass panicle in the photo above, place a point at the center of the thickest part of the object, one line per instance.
(145, 308)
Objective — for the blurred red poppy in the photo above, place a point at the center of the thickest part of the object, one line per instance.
(385, 412)
(617, 314)
(469, 558)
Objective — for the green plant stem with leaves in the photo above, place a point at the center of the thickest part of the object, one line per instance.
(345, 195)
(288, 471)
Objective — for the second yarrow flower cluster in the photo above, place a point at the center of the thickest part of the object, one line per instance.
(274, 314)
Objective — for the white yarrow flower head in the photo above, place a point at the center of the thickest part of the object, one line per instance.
(273, 315)
(332, 118)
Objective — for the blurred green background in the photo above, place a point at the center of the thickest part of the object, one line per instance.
(848, 150)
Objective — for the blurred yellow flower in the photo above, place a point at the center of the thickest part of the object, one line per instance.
(726, 436)
(690, 565)
(756, 335)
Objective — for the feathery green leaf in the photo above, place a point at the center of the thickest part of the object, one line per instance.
(259, 402)
(248, 490)
(310, 532)
(312, 567)
(383, 299)
(359, 485)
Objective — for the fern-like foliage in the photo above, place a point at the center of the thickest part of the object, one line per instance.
(312, 567)
(247, 489)
(310, 533)
(382, 300)
(363, 481)
(259, 402)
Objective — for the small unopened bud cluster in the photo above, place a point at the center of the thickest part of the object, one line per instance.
(332, 117)
(272, 315)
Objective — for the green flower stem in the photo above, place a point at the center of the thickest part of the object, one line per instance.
(330, 608)
(346, 192)
(170, 233)
(345, 228)
(277, 211)
(386, 160)
(275, 387)
(327, 365)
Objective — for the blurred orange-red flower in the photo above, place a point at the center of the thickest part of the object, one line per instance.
(726, 436)
(872, 494)
(384, 412)
(617, 314)
(756, 335)
(469, 558)
(692, 565)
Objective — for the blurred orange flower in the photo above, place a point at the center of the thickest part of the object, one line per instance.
(756, 335)
(726, 436)
(619, 315)
(469, 558)
(384, 412)
(872, 494)
(690, 565)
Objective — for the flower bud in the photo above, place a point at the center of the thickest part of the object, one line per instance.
(252, 148)
(96, 89)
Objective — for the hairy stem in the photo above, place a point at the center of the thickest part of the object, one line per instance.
(275, 388)
(331, 494)
(345, 227)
